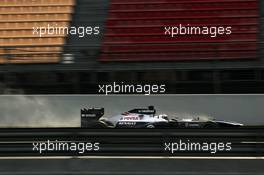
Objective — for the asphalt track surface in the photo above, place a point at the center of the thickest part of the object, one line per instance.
(64, 111)
(93, 166)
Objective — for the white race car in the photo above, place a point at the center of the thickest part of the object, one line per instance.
(146, 118)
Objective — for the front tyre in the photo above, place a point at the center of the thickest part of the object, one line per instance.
(150, 126)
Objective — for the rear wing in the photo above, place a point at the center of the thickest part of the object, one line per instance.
(90, 116)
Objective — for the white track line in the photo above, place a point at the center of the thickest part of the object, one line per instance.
(132, 157)
(129, 173)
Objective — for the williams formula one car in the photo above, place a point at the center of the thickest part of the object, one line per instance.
(146, 118)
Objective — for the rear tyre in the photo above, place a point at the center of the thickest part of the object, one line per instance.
(210, 125)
